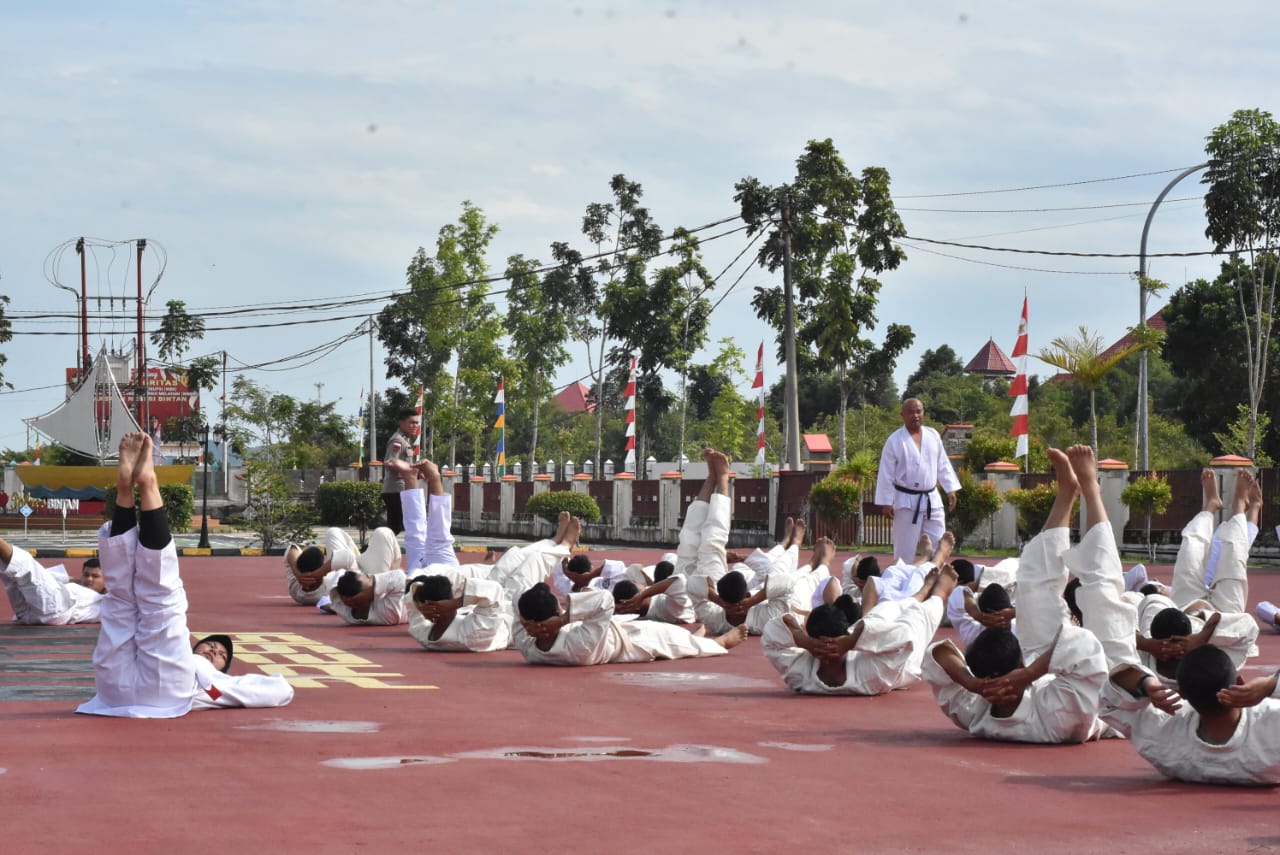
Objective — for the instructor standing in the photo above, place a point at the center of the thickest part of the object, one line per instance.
(401, 447)
(912, 466)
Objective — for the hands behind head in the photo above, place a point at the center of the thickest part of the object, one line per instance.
(1248, 694)
(543, 630)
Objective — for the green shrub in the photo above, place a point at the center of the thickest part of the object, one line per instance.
(835, 499)
(549, 505)
(1150, 494)
(357, 503)
(179, 503)
(1033, 504)
(975, 503)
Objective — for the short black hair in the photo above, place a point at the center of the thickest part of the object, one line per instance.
(1170, 622)
(964, 569)
(625, 590)
(349, 584)
(579, 564)
(1069, 594)
(406, 414)
(1202, 673)
(994, 653)
(1149, 589)
(994, 598)
(852, 611)
(662, 570)
(868, 567)
(538, 603)
(732, 587)
(827, 621)
(310, 559)
(431, 589)
(90, 563)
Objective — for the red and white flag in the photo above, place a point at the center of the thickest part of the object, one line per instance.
(1018, 391)
(758, 384)
(629, 465)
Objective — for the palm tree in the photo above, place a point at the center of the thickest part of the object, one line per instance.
(1083, 357)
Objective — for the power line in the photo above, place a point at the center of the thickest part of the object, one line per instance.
(1045, 186)
(1042, 210)
(1014, 266)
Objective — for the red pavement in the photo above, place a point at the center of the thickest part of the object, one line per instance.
(687, 756)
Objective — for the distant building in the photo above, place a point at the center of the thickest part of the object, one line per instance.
(575, 398)
(991, 362)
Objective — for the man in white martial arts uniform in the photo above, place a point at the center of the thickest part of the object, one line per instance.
(1043, 685)
(576, 573)
(700, 553)
(456, 613)
(304, 572)
(730, 603)
(42, 595)
(588, 632)
(1210, 591)
(883, 652)
(664, 597)
(1226, 732)
(912, 466)
(144, 664)
(968, 612)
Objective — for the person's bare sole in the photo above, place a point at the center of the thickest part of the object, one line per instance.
(924, 546)
(1209, 488)
(1240, 497)
(1062, 471)
(797, 536)
(732, 638)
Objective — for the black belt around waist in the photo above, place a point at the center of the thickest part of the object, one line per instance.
(923, 496)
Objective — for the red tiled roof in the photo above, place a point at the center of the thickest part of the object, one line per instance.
(817, 443)
(991, 360)
(574, 398)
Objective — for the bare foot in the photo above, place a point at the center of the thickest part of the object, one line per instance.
(572, 532)
(946, 582)
(562, 526)
(1209, 487)
(1255, 503)
(1062, 471)
(927, 588)
(924, 548)
(732, 638)
(788, 528)
(130, 444)
(823, 551)
(144, 468)
(1244, 486)
(429, 472)
(717, 463)
(1083, 465)
(797, 537)
(946, 545)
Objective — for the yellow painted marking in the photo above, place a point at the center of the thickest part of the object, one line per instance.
(194, 551)
(310, 664)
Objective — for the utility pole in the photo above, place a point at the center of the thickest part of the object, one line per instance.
(792, 395)
(373, 410)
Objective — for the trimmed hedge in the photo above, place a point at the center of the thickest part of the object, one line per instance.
(179, 503)
(354, 503)
(549, 505)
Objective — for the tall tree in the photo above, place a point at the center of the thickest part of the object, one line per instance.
(663, 322)
(445, 317)
(1084, 358)
(625, 237)
(178, 329)
(842, 229)
(539, 327)
(1242, 206)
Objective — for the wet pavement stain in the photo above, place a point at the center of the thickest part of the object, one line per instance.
(690, 680)
(286, 726)
(574, 755)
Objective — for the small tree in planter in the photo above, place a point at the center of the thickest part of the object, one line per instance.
(1148, 495)
(975, 503)
(1033, 504)
(838, 497)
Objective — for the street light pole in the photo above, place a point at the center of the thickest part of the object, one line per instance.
(204, 494)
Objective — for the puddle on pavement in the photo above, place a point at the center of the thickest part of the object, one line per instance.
(313, 726)
(363, 763)
(795, 746)
(690, 680)
(670, 754)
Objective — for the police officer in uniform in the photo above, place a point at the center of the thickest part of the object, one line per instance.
(399, 447)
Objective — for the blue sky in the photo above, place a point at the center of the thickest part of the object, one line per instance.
(302, 151)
